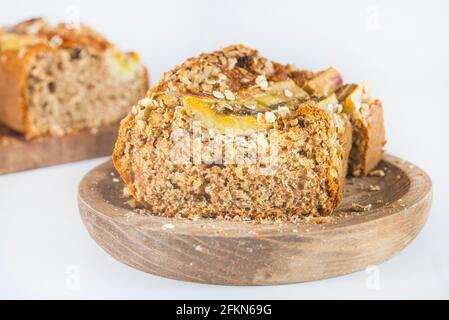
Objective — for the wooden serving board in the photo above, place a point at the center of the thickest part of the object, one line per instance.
(19, 154)
(244, 253)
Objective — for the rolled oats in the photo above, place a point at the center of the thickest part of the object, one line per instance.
(288, 93)
(270, 117)
(229, 95)
(261, 81)
(218, 94)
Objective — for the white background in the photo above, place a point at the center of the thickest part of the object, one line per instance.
(401, 47)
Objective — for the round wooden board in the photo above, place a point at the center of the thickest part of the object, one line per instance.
(244, 253)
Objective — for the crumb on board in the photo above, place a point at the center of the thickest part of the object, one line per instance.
(377, 173)
(142, 212)
(132, 203)
(126, 193)
(319, 220)
(360, 207)
(198, 248)
(130, 214)
(168, 226)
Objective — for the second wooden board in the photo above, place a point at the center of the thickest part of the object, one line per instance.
(18, 153)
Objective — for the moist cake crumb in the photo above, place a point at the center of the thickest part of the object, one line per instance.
(360, 207)
(377, 173)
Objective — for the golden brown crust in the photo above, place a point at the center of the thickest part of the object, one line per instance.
(14, 68)
(345, 138)
(76, 36)
(370, 136)
(375, 136)
(118, 152)
(12, 80)
(233, 68)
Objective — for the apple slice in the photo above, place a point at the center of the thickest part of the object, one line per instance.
(201, 110)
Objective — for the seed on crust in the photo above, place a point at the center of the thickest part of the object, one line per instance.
(218, 94)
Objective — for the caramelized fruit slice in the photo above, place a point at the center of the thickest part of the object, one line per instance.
(324, 83)
(345, 91)
(354, 96)
(200, 109)
(10, 41)
(279, 93)
(124, 65)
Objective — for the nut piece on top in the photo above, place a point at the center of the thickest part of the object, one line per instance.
(233, 134)
(58, 79)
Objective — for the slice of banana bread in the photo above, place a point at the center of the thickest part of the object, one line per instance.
(57, 80)
(233, 134)
(367, 120)
(365, 113)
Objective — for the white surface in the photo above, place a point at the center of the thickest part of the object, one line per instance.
(400, 47)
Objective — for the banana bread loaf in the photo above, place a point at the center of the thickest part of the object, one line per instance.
(231, 133)
(56, 80)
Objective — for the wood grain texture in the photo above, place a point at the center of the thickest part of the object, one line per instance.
(19, 154)
(243, 253)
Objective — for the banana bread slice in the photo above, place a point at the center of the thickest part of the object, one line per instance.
(231, 133)
(56, 80)
(367, 119)
(364, 112)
